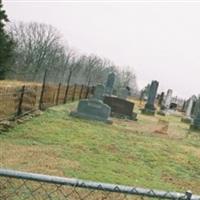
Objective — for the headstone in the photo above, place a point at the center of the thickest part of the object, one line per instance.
(94, 108)
(193, 107)
(149, 106)
(196, 122)
(161, 98)
(188, 118)
(167, 100)
(184, 105)
(110, 84)
(173, 106)
(120, 107)
(166, 103)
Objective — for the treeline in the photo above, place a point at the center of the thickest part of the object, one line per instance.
(40, 47)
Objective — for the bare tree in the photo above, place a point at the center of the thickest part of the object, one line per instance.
(73, 65)
(126, 78)
(38, 47)
(93, 66)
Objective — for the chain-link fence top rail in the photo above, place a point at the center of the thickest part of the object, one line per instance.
(21, 185)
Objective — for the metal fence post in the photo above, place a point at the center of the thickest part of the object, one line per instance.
(58, 93)
(42, 91)
(19, 109)
(81, 91)
(74, 92)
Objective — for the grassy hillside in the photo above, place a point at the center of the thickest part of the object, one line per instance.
(125, 152)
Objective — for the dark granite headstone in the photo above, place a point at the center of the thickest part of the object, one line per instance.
(188, 114)
(149, 106)
(196, 122)
(173, 106)
(161, 98)
(120, 106)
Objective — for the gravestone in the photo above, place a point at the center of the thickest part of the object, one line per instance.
(173, 106)
(166, 103)
(94, 108)
(188, 118)
(193, 107)
(110, 84)
(196, 122)
(149, 106)
(167, 100)
(184, 106)
(120, 107)
(161, 98)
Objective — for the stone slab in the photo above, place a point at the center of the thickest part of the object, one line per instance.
(93, 109)
(120, 106)
(187, 120)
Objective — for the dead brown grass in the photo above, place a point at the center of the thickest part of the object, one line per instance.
(10, 92)
(42, 159)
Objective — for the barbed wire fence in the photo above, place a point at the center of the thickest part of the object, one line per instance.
(18, 100)
(16, 185)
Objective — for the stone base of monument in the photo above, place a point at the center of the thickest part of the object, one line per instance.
(121, 116)
(187, 120)
(120, 108)
(195, 124)
(134, 116)
(149, 110)
(195, 127)
(163, 112)
(93, 109)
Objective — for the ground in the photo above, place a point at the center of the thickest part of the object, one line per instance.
(126, 152)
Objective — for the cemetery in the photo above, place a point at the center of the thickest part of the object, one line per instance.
(113, 113)
(94, 137)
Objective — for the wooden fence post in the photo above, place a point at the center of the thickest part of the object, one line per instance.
(66, 93)
(81, 91)
(58, 93)
(87, 92)
(92, 90)
(74, 92)
(19, 109)
(42, 91)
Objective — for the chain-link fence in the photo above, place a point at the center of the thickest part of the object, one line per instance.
(15, 185)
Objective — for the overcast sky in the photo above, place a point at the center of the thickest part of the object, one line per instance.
(159, 40)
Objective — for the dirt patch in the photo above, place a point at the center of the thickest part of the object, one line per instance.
(183, 184)
(191, 150)
(111, 148)
(162, 127)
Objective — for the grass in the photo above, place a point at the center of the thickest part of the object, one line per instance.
(125, 152)
(15, 83)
